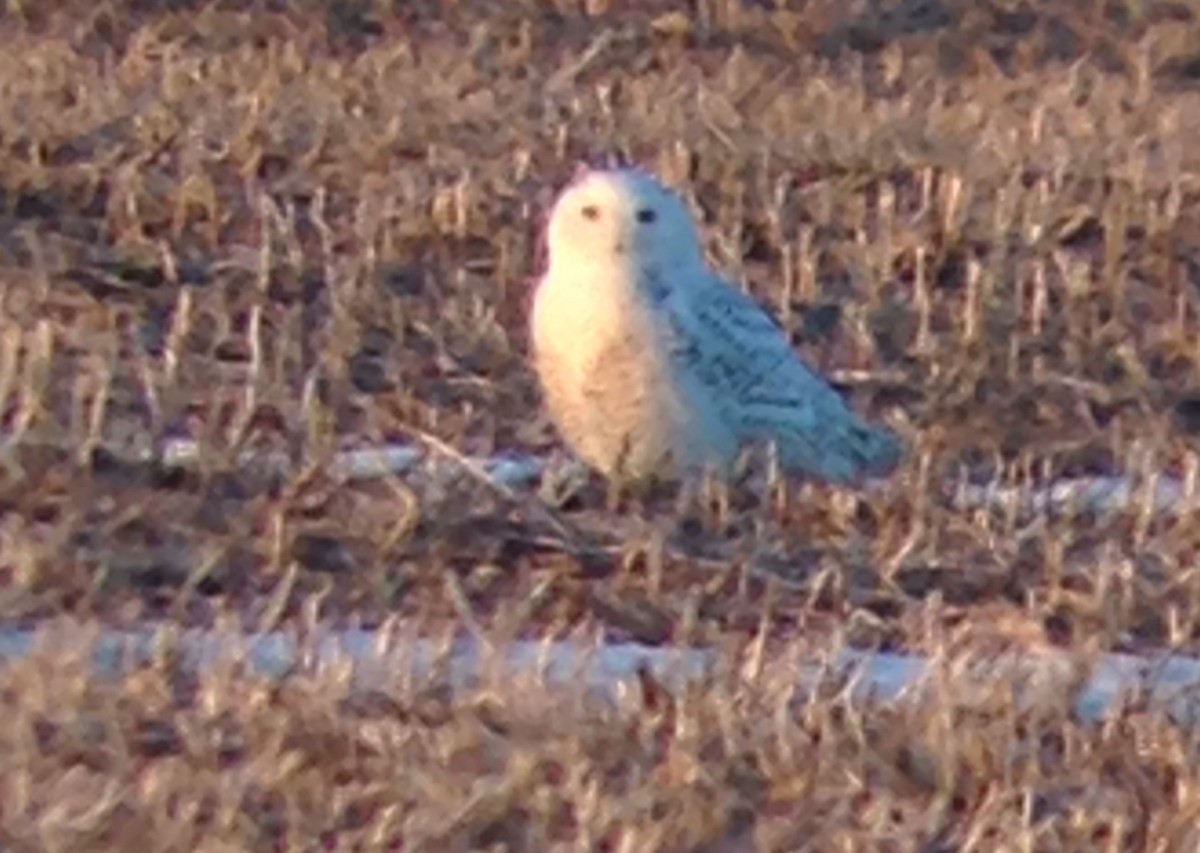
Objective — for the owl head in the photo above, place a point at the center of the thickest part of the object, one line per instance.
(625, 218)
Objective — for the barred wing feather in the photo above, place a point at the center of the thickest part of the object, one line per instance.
(735, 362)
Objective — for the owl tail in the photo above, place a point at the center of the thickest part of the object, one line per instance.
(876, 450)
(847, 450)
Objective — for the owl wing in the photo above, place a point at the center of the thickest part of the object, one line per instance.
(731, 355)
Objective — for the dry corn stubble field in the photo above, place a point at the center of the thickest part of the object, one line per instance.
(302, 227)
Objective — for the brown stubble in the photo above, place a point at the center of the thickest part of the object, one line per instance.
(294, 231)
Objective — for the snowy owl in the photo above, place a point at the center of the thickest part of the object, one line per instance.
(654, 366)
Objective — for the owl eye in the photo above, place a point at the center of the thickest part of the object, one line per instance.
(647, 215)
(590, 212)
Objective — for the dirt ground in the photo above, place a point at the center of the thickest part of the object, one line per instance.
(310, 226)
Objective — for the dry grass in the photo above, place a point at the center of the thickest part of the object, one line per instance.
(309, 226)
(169, 761)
